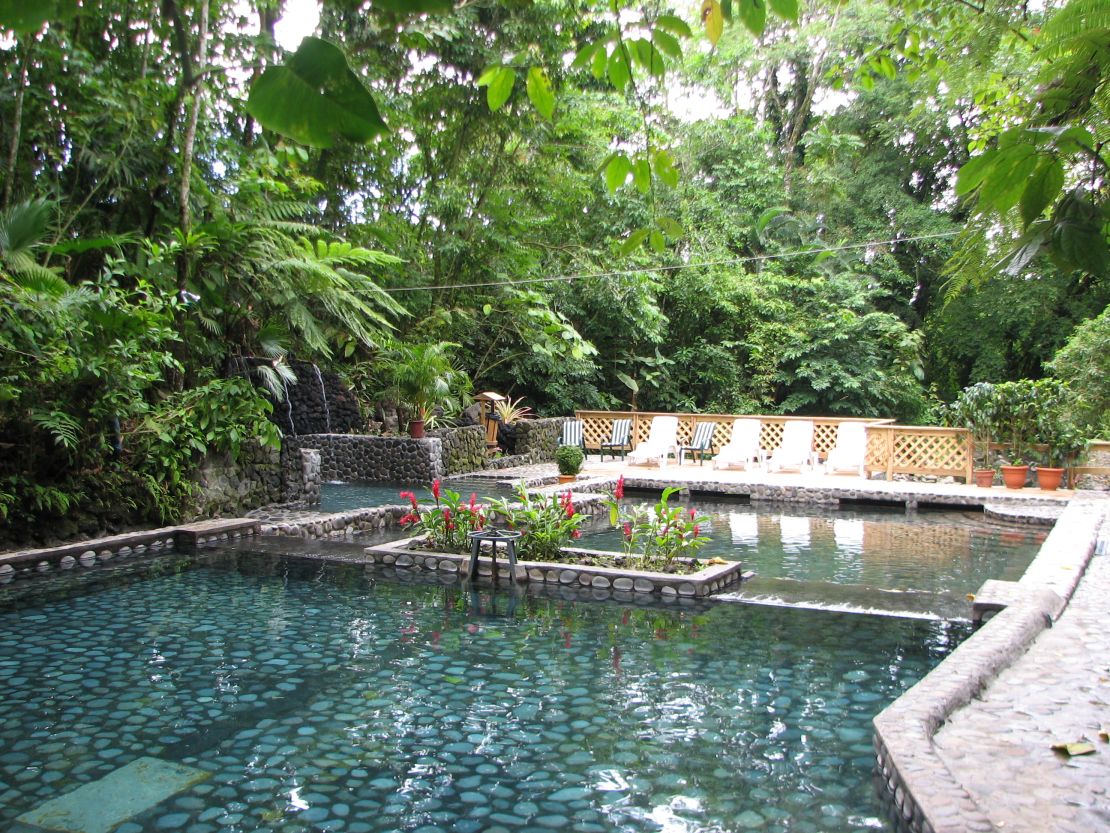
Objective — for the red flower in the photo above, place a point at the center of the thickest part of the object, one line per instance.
(628, 530)
(618, 492)
(473, 498)
(696, 528)
(411, 497)
(409, 518)
(693, 514)
(577, 533)
(568, 506)
(435, 489)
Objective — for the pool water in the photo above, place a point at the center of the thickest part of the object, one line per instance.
(346, 497)
(930, 560)
(317, 699)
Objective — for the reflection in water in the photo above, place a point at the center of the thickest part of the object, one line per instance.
(856, 553)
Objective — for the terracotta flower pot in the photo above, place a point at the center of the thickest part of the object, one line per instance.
(567, 478)
(1015, 476)
(983, 477)
(1049, 478)
(416, 429)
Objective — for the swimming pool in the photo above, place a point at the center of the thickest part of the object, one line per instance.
(346, 497)
(886, 559)
(307, 697)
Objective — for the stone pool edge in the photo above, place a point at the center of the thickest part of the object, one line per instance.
(927, 796)
(702, 584)
(24, 563)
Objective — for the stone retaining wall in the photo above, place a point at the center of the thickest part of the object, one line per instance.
(537, 439)
(927, 796)
(353, 457)
(227, 487)
(463, 449)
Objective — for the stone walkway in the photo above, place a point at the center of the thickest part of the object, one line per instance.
(999, 746)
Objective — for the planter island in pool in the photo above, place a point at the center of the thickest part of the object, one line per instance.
(710, 579)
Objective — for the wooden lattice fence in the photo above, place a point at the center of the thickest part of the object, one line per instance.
(892, 449)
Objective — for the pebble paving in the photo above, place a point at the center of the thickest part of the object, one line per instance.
(321, 701)
(999, 746)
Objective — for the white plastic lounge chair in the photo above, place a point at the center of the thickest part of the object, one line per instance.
(662, 441)
(794, 533)
(701, 444)
(796, 450)
(742, 447)
(573, 434)
(850, 449)
(619, 439)
(744, 527)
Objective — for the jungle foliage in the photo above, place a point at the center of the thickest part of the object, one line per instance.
(831, 207)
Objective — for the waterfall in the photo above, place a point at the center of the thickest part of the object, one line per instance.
(288, 405)
(324, 396)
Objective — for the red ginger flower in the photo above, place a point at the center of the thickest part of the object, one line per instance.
(696, 528)
(577, 533)
(618, 492)
(628, 530)
(411, 497)
(435, 489)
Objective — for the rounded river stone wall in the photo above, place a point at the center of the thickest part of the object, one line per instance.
(463, 449)
(353, 457)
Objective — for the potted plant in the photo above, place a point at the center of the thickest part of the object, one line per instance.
(1060, 436)
(1017, 413)
(976, 409)
(421, 377)
(569, 459)
(509, 414)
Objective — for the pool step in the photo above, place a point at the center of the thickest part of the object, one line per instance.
(100, 806)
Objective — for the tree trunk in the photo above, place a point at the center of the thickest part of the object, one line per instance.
(17, 129)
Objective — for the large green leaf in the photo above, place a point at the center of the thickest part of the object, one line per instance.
(675, 25)
(539, 92)
(620, 73)
(24, 16)
(974, 171)
(617, 171)
(1041, 189)
(785, 8)
(753, 14)
(498, 82)
(315, 98)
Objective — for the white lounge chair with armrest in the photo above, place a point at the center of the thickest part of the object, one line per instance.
(849, 452)
(796, 449)
(742, 447)
(662, 441)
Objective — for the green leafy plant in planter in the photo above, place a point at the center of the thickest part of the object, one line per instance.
(548, 522)
(1056, 431)
(658, 534)
(569, 459)
(1016, 420)
(977, 409)
(422, 378)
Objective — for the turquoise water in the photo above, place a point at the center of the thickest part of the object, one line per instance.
(942, 556)
(321, 700)
(345, 497)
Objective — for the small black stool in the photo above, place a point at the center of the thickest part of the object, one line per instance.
(494, 536)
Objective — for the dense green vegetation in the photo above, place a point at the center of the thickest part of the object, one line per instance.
(855, 208)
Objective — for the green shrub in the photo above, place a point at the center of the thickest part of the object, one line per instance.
(569, 459)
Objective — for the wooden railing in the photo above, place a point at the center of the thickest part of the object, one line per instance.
(892, 449)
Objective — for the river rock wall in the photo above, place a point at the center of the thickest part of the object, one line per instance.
(319, 403)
